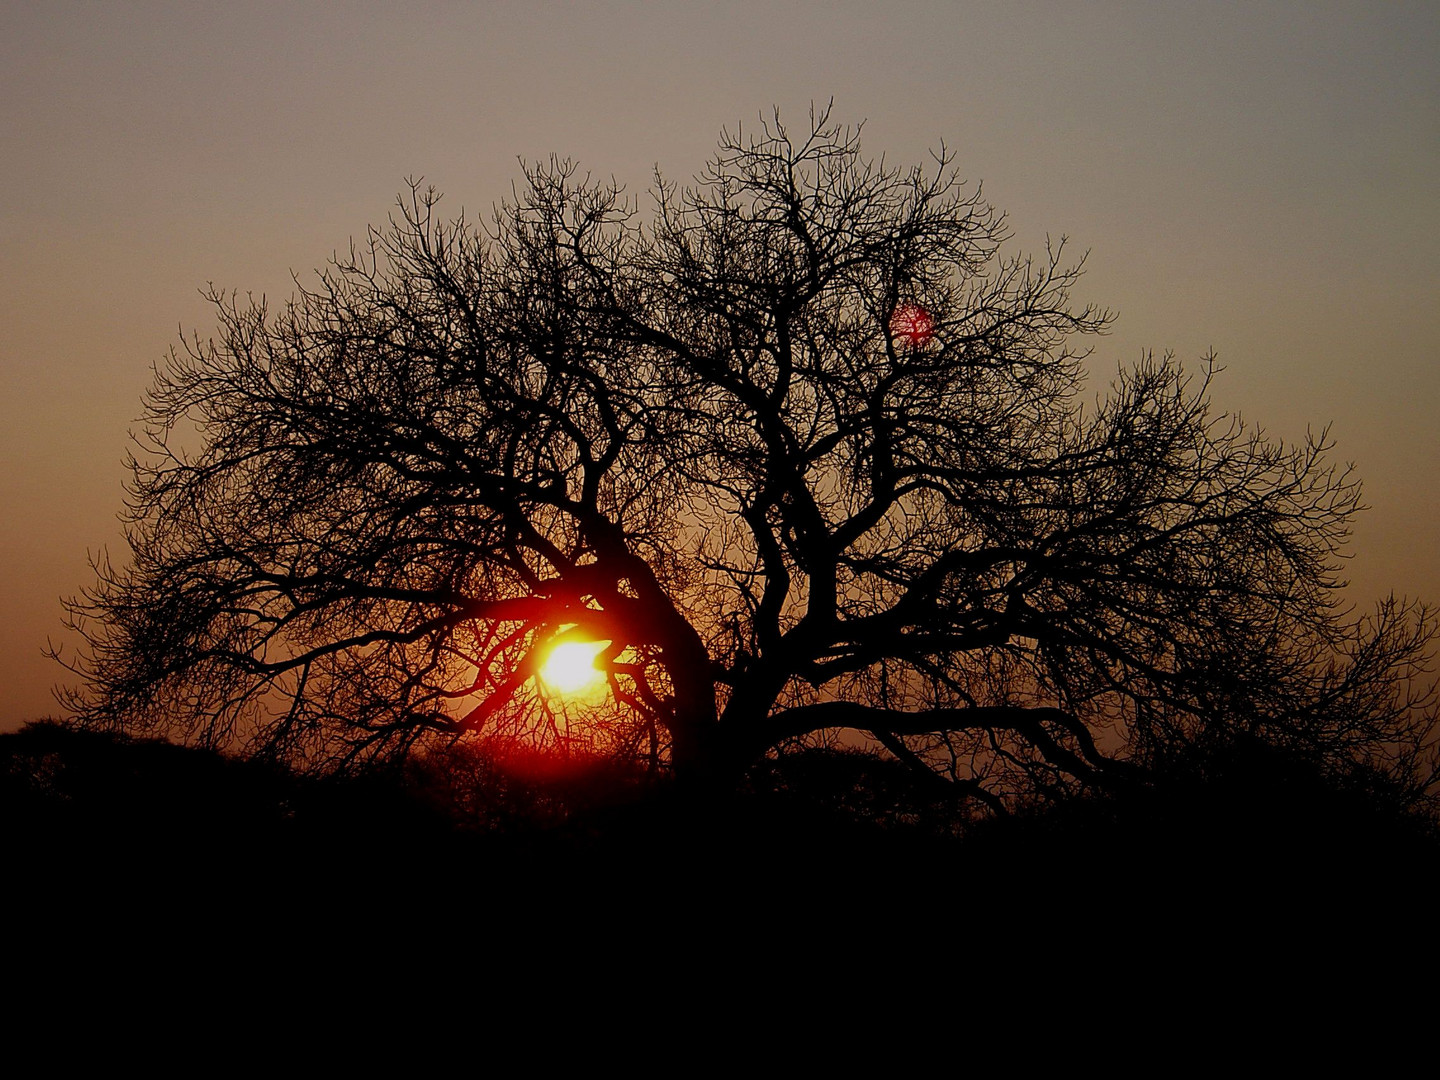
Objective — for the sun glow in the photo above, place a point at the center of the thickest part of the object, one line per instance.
(570, 668)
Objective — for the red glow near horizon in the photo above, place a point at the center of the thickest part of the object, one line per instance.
(912, 325)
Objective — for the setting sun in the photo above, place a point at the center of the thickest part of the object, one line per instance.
(570, 667)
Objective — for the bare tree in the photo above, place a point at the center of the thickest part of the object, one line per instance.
(804, 452)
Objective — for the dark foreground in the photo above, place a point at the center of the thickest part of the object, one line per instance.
(148, 886)
(126, 818)
(144, 864)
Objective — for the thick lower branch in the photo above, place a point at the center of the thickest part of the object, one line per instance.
(1028, 723)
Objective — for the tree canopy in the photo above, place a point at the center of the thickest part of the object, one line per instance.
(802, 449)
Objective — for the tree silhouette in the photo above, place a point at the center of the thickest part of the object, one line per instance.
(805, 452)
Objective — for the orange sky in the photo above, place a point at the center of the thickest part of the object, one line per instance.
(1264, 182)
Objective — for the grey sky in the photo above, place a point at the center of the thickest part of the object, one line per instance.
(1263, 179)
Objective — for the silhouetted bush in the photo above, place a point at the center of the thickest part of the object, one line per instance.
(1242, 819)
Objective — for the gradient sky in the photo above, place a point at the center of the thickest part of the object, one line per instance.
(1260, 179)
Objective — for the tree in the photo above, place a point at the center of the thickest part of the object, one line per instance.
(803, 453)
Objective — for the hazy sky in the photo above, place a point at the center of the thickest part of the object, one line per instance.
(1262, 179)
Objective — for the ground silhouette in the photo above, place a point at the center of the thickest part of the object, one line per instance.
(1243, 817)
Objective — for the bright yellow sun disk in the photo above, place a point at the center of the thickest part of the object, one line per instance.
(570, 667)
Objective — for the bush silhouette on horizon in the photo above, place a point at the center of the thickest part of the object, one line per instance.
(1216, 816)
